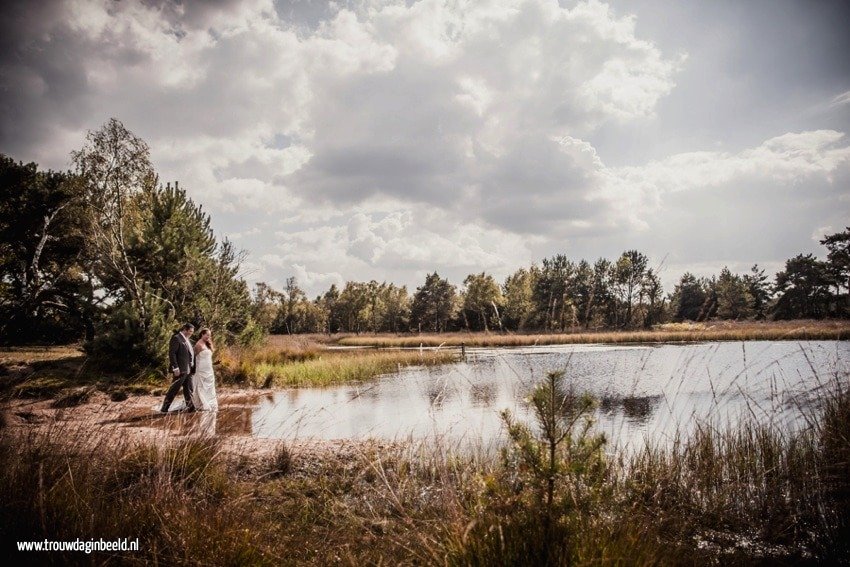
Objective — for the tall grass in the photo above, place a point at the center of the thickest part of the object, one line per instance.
(315, 367)
(774, 331)
(748, 494)
(188, 502)
(739, 495)
(176, 499)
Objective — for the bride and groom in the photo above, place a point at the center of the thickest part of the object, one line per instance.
(192, 368)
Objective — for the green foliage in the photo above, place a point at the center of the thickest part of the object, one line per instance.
(803, 289)
(156, 256)
(554, 307)
(173, 248)
(221, 300)
(734, 300)
(624, 293)
(352, 307)
(135, 335)
(759, 291)
(291, 313)
(45, 295)
(482, 299)
(328, 302)
(629, 274)
(552, 475)
(251, 336)
(689, 298)
(265, 303)
(518, 298)
(601, 308)
(584, 293)
(838, 264)
(395, 315)
(651, 307)
(360, 307)
(434, 305)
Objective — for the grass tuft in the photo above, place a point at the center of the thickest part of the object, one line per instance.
(324, 368)
(75, 397)
(280, 463)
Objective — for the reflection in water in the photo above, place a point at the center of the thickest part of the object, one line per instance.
(482, 395)
(636, 409)
(367, 392)
(234, 421)
(645, 392)
(206, 423)
(228, 420)
(438, 394)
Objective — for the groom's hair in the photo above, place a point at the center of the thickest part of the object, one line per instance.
(187, 327)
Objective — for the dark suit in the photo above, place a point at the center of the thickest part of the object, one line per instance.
(182, 358)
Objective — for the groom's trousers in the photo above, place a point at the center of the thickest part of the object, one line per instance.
(183, 381)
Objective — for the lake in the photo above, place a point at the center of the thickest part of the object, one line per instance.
(646, 392)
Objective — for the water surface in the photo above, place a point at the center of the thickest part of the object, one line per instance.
(649, 392)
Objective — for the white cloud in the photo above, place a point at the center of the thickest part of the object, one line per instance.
(465, 118)
(244, 234)
(783, 160)
(401, 245)
(821, 231)
(420, 102)
(841, 100)
(389, 138)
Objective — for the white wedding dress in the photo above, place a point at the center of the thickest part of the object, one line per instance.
(203, 383)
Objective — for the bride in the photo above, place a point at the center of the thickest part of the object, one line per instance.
(203, 382)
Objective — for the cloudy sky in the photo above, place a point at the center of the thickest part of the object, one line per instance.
(381, 139)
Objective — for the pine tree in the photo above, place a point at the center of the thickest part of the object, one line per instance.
(433, 304)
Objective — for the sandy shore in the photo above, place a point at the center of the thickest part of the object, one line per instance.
(104, 422)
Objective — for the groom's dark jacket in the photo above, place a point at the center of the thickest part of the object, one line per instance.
(180, 354)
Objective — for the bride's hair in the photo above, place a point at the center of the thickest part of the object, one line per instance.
(205, 337)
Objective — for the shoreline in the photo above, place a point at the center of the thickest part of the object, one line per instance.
(134, 422)
(111, 466)
(671, 333)
(307, 361)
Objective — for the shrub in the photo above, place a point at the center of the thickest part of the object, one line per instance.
(550, 475)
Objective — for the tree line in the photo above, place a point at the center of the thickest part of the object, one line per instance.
(106, 254)
(560, 294)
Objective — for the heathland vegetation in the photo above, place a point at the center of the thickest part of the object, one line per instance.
(554, 496)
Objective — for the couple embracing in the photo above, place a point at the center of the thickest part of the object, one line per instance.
(192, 368)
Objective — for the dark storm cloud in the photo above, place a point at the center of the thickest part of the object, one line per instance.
(390, 133)
(42, 83)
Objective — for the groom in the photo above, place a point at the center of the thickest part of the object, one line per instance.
(181, 360)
